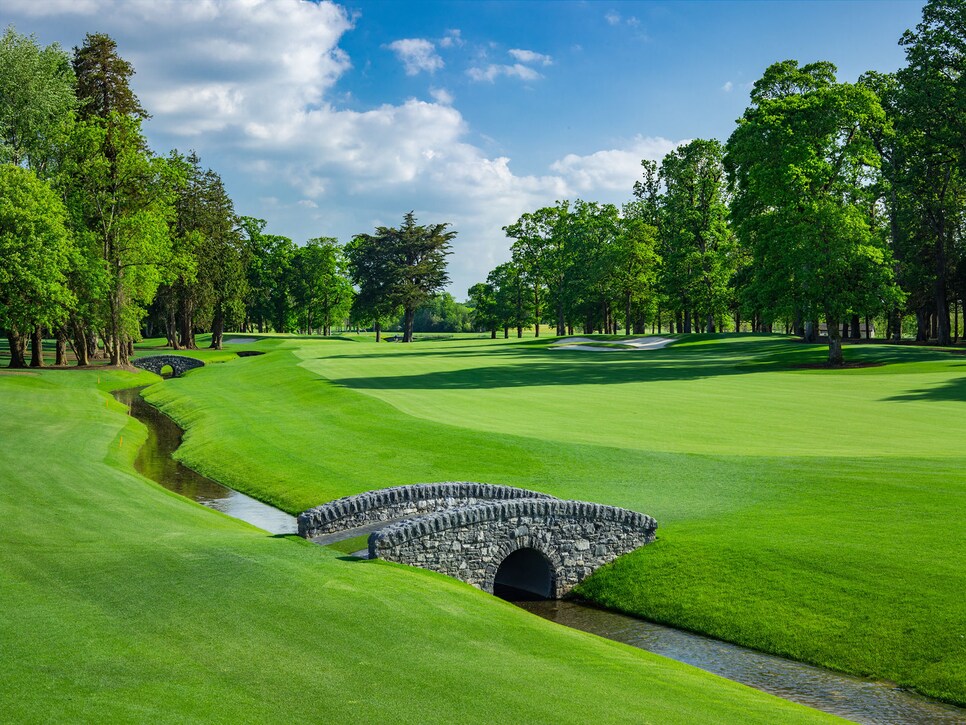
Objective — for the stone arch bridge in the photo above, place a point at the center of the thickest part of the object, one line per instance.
(180, 364)
(493, 537)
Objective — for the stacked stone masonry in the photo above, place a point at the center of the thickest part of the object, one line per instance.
(470, 543)
(180, 364)
(391, 504)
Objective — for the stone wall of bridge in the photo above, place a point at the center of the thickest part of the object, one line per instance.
(390, 504)
(180, 364)
(471, 543)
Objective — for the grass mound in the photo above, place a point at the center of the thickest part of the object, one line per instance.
(808, 512)
(123, 602)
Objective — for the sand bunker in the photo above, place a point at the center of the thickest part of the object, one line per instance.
(240, 340)
(637, 343)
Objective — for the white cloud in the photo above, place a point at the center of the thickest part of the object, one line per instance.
(251, 86)
(529, 56)
(417, 55)
(452, 38)
(613, 17)
(442, 96)
(728, 87)
(491, 72)
(613, 169)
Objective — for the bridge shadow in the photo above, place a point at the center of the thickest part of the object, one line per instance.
(525, 575)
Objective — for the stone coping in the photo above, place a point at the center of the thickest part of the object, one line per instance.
(383, 498)
(545, 507)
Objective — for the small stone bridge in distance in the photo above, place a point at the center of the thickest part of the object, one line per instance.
(180, 364)
(493, 537)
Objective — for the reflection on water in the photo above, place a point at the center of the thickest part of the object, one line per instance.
(155, 462)
(863, 701)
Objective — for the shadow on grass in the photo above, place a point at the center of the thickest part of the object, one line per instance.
(527, 365)
(949, 391)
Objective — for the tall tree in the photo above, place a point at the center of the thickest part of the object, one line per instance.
(931, 123)
(37, 250)
(401, 267)
(103, 79)
(123, 196)
(36, 100)
(698, 261)
(322, 292)
(799, 153)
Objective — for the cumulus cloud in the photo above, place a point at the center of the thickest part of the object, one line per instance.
(441, 96)
(612, 169)
(613, 17)
(417, 55)
(452, 38)
(251, 86)
(529, 56)
(493, 71)
(728, 87)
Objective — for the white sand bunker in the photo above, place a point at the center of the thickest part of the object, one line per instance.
(240, 340)
(652, 342)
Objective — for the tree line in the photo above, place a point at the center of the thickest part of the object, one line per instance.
(102, 241)
(831, 204)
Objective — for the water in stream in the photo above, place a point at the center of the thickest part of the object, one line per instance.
(860, 700)
(154, 461)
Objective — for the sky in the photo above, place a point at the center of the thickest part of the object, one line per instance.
(329, 119)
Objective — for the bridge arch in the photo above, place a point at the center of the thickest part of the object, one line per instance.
(527, 565)
(179, 364)
(472, 543)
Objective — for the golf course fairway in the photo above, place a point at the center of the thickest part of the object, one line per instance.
(816, 514)
(123, 602)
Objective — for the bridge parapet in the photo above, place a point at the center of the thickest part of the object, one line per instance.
(471, 543)
(180, 364)
(389, 504)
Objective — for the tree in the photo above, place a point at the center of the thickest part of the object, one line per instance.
(321, 291)
(36, 252)
(103, 79)
(36, 100)
(122, 196)
(698, 256)
(485, 314)
(401, 267)
(636, 267)
(928, 169)
(800, 153)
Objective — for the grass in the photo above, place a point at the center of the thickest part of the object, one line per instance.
(123, 602)
(811, 513)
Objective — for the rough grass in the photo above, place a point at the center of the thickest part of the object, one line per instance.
(122, 602)
(812, 513)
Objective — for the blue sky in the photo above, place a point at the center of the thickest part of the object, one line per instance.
(328, 119)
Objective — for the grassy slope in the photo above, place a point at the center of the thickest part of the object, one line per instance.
(811, 513)
(122, 602)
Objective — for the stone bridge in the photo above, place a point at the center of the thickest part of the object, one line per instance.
(179, 363)
(497, 538)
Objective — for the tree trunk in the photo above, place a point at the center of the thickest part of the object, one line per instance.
(835, 358)
(561, 326)
(506, 332)
(868, 334)
(80, 342)
(493, 334)
(519, 330)
(37, 348)
(217, 329)
(378, 329)
(810, 332)
(687, 322)
(17, 344)
(922, 324)
(61, 356)
(408, 316)
(711, 327)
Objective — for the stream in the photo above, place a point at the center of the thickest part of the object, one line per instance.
(854, 698)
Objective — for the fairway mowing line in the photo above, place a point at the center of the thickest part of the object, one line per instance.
(638, 343)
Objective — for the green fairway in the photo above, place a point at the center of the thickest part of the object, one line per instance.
(813, 513)
(124, 603)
